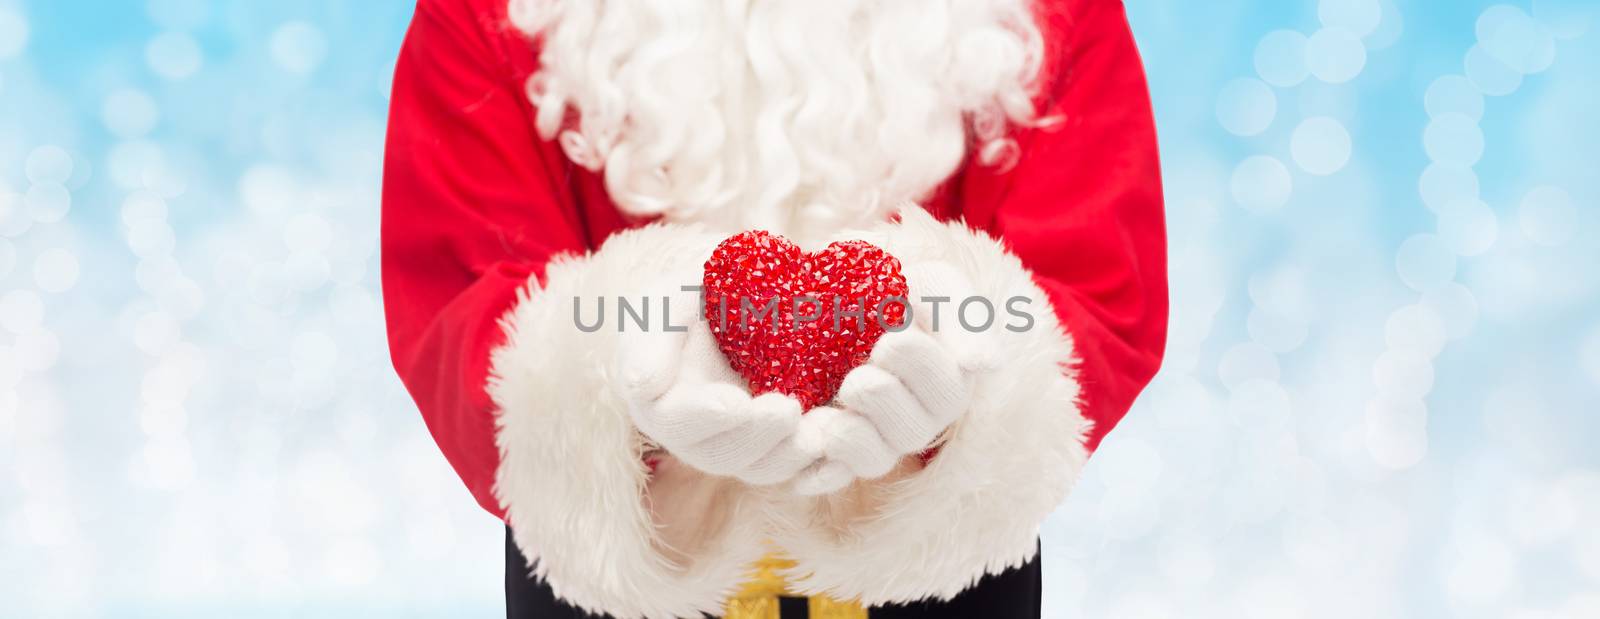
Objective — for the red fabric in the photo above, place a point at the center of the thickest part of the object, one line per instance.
(474, 203)
(1083, 206)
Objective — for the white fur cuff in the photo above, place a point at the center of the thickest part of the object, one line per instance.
(1006, 464)
(578, 498)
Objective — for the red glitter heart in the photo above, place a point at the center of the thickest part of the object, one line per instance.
(759, 290)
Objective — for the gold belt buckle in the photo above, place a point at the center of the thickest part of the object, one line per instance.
(758, 597)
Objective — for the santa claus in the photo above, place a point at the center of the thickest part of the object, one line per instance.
(551, 151)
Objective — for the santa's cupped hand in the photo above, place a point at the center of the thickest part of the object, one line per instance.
(682, 395)
(917, 382)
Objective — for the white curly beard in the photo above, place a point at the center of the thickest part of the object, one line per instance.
(787, 116)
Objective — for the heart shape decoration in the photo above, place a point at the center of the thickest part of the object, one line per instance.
(796, 322)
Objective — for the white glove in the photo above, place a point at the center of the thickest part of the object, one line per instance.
(916, 383)
(683, 395)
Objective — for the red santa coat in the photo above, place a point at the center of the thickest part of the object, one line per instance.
(476, 205)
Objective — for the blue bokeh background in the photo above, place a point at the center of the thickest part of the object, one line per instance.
(1379, 399)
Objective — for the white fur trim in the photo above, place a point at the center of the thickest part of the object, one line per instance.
(1006, 464)
(606, 535)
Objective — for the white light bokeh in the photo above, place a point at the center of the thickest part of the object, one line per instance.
(1391, 26)
(173, 55)
(307, 232)
(298, 47)
(21, 311)
(49, 165)
(1589, 354)
(1416, 329)
(1277, 332)
(1335, 55)
(1358, 17)
(1454, 94)
(1320, 145)
(1443, 184)
(127, 162)
(1489, 74)
(1456, 308)
(1246, 107)
(1453, 139)
(14, 216)
(1470, 227)
(129, 113)
(151, 237)
(1397, 432)
(1280, 58)
(37, 349)
(1403, 373)
(14, 32)
(55, 270)
(1515, 39)
(48, 202)
(1566, 19)
(1261, 183)
(267, 189)
(8, 257)
(1544, 513)
(1425, 262)
(1246, 362)
(1548, 216)
(178, 14)
(1481, 569)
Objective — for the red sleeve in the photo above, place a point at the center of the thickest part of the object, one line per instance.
(470, 212)
(1083, 206)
